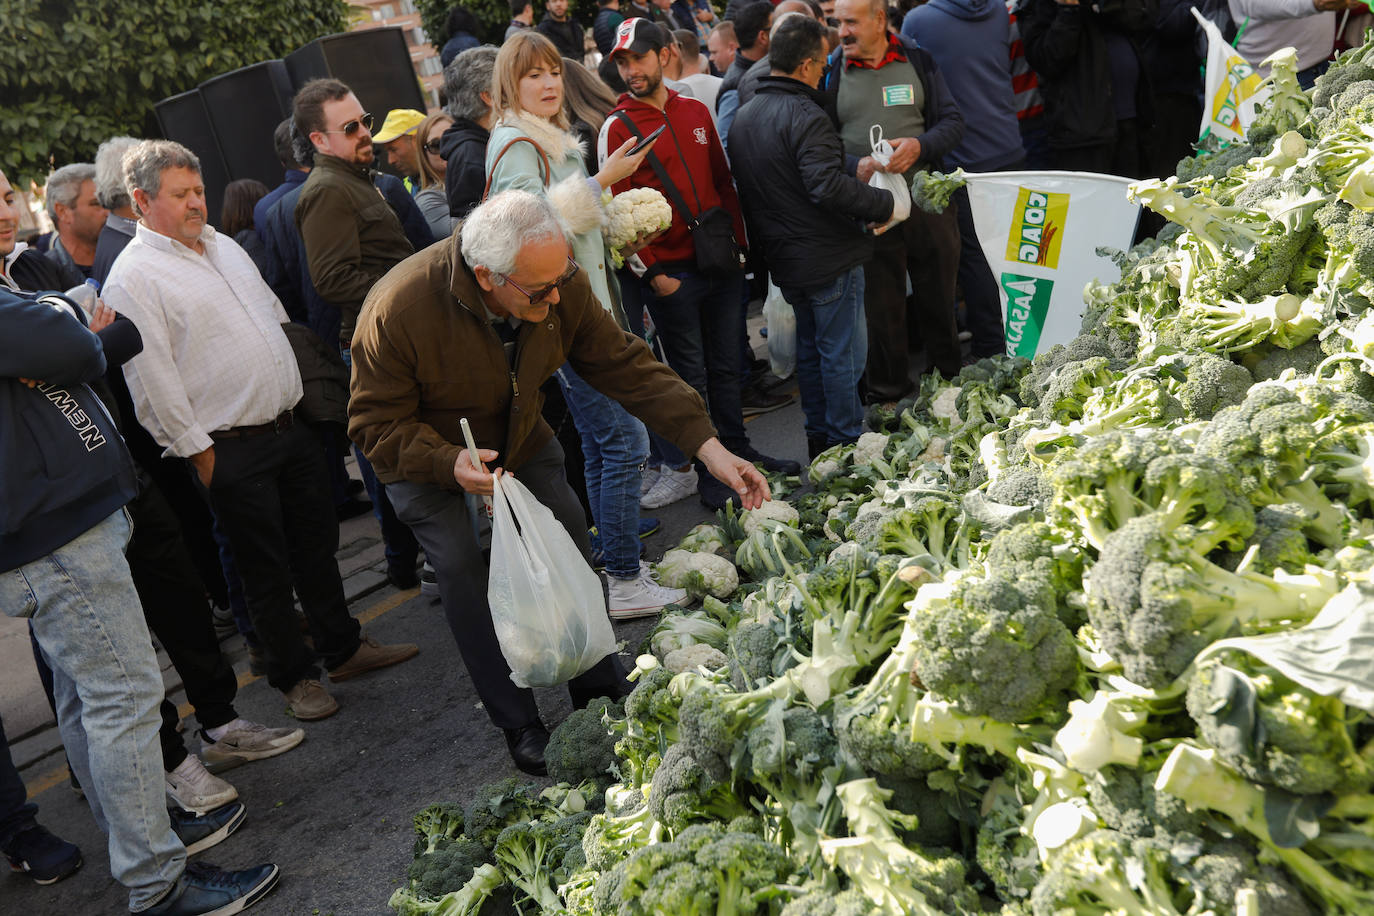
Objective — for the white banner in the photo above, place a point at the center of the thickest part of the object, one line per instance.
(1232, 90)
(1040, 232)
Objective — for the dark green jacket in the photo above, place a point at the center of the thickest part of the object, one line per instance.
(352, 236)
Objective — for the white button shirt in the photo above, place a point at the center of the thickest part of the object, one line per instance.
(214, 354)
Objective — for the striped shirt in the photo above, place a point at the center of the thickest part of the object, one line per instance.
(1024, 81)
(214, 354)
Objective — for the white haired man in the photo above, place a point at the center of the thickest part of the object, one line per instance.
(506, 287)
(217, 384)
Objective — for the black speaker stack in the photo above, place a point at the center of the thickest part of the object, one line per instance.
(228, 120)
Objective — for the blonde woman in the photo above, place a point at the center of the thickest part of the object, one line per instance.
(431, 198)
(532, 149)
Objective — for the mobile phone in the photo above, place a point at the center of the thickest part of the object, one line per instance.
(635, 150)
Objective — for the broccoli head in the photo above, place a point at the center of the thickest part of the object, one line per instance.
(1020, 486)
(829, 903)
(1210, 383)
(682, 791)
(435, 824)
(754, 650)
(496, 806)
(1273, 731)
(1106, 871)
(704, 871)
(582, 747)
(448, 867)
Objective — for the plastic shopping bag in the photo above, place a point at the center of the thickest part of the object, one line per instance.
(546, 603)
(901, 194)
(782, 333)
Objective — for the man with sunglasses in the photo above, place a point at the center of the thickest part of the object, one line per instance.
(352, 236)
(472, 329)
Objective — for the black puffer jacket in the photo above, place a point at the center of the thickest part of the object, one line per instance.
(789, 166)
(464, 147)
(1066, 47)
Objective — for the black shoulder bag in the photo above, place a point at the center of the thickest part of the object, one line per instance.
(713, 229)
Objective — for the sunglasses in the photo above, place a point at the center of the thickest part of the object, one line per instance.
(542, 293)
(432, 147)
(351, 127)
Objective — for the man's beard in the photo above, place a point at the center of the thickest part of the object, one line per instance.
(651, 84)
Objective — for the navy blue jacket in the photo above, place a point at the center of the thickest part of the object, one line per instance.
(293, 178)
(63, 465)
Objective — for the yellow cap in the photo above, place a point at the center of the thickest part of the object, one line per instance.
(399, 121)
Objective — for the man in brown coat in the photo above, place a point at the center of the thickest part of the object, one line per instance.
(472, 329)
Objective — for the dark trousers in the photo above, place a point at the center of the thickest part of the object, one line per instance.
(439, 518)
(982, 303)
(635, 296)
(1176, 128)
(1125, 155)
(16, 813)
(925, 246)
(270, 494)
(698, 326)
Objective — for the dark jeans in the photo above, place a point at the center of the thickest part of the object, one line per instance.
(1124, 156)
(270, 494)
(16, 813)
(635, 295)
(440, 521)
(925, 246)
(698, 326)
(238, 604)
(982, 303)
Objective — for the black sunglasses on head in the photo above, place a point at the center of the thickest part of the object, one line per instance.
(351, 127)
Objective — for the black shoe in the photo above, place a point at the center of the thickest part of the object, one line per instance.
(527, 747)
(204, 890)
(355, 487)
(815, 445)
(772, 465)
(45, 858)
(199, 832)
(753, 401)
(715, 495)
(403, 577)
(352, 508)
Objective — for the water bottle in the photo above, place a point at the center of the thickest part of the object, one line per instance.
(86, 295)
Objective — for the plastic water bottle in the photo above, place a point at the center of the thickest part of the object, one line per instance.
(86, 295)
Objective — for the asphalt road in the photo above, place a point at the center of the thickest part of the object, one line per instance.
(335, 813)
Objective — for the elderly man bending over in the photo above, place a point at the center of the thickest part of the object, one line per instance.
(472, 329)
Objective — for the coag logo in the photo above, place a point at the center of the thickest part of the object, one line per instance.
(1036, 228)
(1240, 83)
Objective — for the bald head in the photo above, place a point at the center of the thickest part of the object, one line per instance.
(792, 6)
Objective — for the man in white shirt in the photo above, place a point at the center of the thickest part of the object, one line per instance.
(216, 384)
(695, 73)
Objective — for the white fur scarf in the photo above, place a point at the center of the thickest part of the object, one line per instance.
(578, 207)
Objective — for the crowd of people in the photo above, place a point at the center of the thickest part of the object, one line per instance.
(176, 401)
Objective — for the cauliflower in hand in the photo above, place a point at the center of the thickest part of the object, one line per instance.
(632, 215)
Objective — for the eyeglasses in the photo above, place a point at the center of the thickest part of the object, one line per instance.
(542, 293)
(432, 147)
(351, 127)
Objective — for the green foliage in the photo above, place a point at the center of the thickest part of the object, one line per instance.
(75, 74)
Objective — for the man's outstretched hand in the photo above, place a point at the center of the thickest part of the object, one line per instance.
(736, 473)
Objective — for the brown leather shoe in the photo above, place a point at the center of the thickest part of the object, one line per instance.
(372, 655)
(309, 701)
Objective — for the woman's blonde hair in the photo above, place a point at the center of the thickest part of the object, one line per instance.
(520, 54)
(585, 97)
(427, 174)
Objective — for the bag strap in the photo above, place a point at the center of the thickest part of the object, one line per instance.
(543, 162)
(656, 164)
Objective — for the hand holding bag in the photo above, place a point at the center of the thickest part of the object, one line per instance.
(896, 184)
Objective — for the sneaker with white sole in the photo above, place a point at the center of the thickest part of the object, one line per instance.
(647, 478)
(429, 581)
(672, 486)
(243, 741)
(196, 789)
(640, 596)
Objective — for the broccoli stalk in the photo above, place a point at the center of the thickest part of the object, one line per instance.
(530, 852)
(1106, 871)
(466, 901)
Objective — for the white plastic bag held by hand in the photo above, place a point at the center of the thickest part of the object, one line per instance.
(782, 333)
(901, 195)
(546, 603)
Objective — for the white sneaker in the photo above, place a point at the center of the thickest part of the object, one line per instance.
(647, 478)
(244, 741)
(640, 596)
(194, 788)
(671, 486)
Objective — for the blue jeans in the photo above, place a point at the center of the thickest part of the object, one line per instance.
(614, 445)
(832, 348)
(87, 619)
(398, 543)
(698, 326)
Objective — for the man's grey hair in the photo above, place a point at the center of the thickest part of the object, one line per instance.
(64, 186)
(145, 163)
(109, 172)
(493, 233)
(466, 77)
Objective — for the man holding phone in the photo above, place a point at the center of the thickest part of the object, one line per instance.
(697, 311)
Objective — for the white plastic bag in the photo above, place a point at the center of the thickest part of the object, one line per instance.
(782, 333)
(546, 603)
(901, 194)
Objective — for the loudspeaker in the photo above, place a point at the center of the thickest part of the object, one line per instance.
(375, 63)
(184, 118)
(245, 107)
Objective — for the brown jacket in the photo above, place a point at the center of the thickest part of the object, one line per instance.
(352, 236)
(425, 355)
